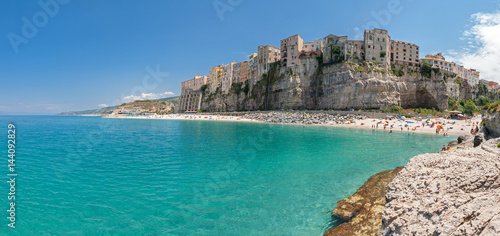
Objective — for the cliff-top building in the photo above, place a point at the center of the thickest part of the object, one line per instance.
(404, 53)
(252, 68)
(191, 94)
(439, 61)
(376, 46)
(214, 77)
(227, 77)
(266, 55)
(293, 46)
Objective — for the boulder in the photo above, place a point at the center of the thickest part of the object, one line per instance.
(362, 212)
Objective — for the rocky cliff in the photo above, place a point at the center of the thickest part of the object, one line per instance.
(448, 193)
(147, 106)
(492, 123)
(312, 85)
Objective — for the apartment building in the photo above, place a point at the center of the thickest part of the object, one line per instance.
(266, 55)
(191, 94)
(227, 77)
(240, 71)
(439, 61)
(215, 77)
(404, 53)
(292, 47)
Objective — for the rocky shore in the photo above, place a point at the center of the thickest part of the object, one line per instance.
(454, 192)
(303, 118)
(447, 193)
(362, 212)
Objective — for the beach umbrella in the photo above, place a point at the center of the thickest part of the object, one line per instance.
(440, 127)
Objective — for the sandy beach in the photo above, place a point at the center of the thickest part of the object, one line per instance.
(394, 124)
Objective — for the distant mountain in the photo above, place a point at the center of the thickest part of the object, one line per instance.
(100, 111)
(173, 100)
(109, 110)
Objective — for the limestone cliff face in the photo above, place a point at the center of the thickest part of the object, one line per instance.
(336, 86)
(492, 123)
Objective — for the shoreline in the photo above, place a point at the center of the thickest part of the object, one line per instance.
(409, 125)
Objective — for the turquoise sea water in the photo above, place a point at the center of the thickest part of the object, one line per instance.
(95, 176)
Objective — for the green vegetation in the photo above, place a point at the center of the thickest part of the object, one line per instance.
(425, 111)
(459, 82)
(426, 69)
(246, 89)
(203, 88)
(397, 72)
(336, 55)
(319, 71)
(382, 54)
(498, 145)
(236, 88)
(360, 69)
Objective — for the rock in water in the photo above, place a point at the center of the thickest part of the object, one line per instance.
(363, 210)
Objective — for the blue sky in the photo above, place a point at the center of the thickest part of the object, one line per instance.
(89, 53)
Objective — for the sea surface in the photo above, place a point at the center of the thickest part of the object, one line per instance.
(96, 176)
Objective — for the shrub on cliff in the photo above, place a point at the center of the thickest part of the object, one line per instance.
(397, 72)
(470, 107)
(426, 69)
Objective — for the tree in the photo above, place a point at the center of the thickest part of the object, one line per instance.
(470, 107)
(426, 69)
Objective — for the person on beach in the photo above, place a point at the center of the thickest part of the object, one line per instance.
(444, 148)
(448, 148)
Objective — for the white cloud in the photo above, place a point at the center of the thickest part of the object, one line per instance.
(103, 105)
(483, 46)
(146, 96)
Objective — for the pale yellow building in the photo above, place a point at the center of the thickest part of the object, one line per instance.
(214, 77)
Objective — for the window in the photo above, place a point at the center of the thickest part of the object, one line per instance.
(370, 37)
(383, 40)
(378, 39)
(381, 48)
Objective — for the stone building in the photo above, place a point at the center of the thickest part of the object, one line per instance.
(404, 53)
(191, 94)
(292, 47)
(195, 83)
(378, 46)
